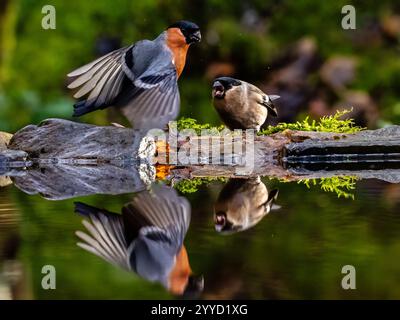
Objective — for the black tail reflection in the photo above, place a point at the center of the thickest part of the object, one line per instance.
(241, 204)
(146, 239)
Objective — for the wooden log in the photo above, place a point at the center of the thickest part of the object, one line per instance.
(62, 139)
(69, 149)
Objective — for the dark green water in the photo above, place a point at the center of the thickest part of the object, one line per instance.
(295, 252)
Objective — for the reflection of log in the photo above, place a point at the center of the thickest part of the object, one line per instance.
(7, 156)
(290, 154)
(56, 182)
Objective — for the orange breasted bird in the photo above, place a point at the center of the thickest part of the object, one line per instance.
(141, 78)
(146, 239)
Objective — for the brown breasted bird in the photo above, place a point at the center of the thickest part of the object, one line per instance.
(241, 105)
(241, 204)
(140, 78)
(146, 239)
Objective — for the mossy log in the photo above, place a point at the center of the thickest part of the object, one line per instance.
(105, 159)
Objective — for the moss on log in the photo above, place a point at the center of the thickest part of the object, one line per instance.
(105, 159)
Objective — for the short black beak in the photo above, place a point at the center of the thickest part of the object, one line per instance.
(217, 85)
(220, 221)
(195, 37)
(218, 90)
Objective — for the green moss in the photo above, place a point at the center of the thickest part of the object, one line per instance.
(189, 123)
(325, 124)
(192, 185)
(341, 185)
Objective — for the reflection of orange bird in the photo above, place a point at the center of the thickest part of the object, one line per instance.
(140, 78)
(180, 274)
(147, 238)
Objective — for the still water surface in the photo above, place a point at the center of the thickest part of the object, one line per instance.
(296, 251)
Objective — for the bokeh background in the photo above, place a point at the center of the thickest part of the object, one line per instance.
(296, 49)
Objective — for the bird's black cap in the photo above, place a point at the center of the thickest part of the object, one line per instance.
(194, 287)
(190, 30)
(227, 82)
(183, 24)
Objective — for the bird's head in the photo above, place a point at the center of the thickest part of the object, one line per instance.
(189, 30)
(223, 224)
(222, 85)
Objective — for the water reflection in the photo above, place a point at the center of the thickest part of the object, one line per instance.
(58, 181)
(13, 278)
(242, 203)
(146, 239)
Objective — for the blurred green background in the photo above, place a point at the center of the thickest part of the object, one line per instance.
(297, 49)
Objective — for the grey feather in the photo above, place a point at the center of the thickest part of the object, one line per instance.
(165, 220)
(105, 239)
(88, 66)
(273, 97)
(150, 100)
(101, 80)
(165, 210)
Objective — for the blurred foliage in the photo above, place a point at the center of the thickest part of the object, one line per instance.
(325, 124)
(248, 35)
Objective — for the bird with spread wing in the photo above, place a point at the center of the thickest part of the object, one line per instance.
(147, 238)
(141, 79)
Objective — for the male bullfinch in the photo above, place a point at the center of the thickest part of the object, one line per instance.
(241, 105)
(241, 204)
(146, 239)
(140, 78)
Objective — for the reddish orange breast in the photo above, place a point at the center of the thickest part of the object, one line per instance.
(180, 273)
(177, 44)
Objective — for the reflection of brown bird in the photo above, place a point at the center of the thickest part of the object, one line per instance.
(147, 238)
(140, 78)
(242, 105)
(241, 204)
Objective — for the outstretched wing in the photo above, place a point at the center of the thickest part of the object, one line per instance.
(98, 83)
(105, 235)
(141, 79)
(159, 215)
(154, 102)
(165, 211)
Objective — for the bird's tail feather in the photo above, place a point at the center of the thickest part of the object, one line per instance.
(81, 108)
(86, 210)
